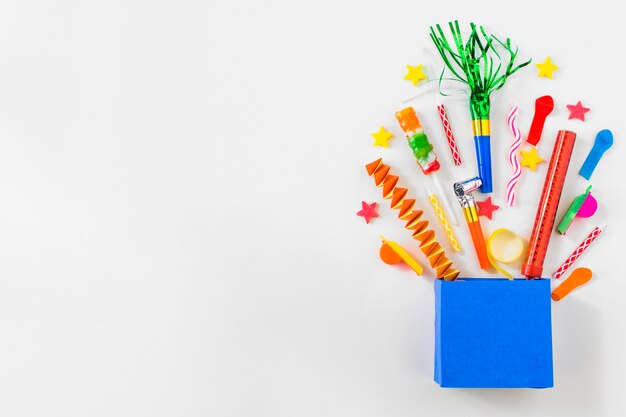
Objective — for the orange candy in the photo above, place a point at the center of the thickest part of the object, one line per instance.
(408, 120)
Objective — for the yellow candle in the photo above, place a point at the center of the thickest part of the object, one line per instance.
(443, 220)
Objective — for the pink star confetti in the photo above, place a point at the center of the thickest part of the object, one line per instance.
(486, 208)
(368, 211)
(577, 111)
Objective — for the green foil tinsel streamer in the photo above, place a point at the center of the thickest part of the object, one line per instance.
(476, 63)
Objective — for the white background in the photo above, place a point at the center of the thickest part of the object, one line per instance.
(179, 182)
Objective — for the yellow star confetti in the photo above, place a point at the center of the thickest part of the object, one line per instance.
(415, 74)
(531, 158)
(381, 137)
(546, 69)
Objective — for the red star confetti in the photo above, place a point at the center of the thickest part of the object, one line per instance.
(577, 111)
(368, 211)
(486, 208)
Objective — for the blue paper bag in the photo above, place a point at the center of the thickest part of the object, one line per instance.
(493, 333)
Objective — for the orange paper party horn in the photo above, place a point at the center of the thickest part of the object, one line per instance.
(578, 277)
(428, 245)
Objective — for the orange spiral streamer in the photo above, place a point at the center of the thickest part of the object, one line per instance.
(405, 206)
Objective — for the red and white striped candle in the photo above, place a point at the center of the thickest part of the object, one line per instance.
(579, 250)
(449, 135)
